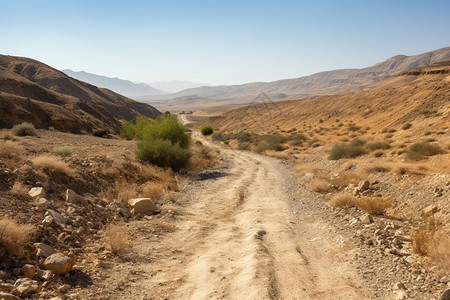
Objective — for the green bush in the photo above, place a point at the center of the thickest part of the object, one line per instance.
(417, 151)
(226, 142)
(163, 153)
(346, 151)
(207, 130)
(378, 145)
(427, 112)
(167, 127)
(128, 131)
(24, 129)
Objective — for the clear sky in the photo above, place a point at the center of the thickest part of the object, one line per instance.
(219, 42)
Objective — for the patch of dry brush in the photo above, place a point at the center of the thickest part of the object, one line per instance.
(14, 237)
(117, 238)
(371, 205)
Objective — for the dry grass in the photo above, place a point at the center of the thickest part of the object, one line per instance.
(9, 149)
(202, 158)
(153, 190)
(117, 238)
(14, 237)
(344, 179)
(124, 191)
(371, 205)
(439, 251)
(277, 154)
(51, 164)
(6, 135)
(377, 168)
(319, 185)
(19, 190)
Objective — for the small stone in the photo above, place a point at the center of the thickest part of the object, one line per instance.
(366, 219)
(44, 250)
(71, 196)
(363, 185)
(8, 296)
(25, 287)
(43, 274)
(42, 204)
(430, 210)
(59, 220)
(37, 192)
(29, 271)
(6, 287)
(58, 263)
(142, 206)
(65, 288)
(48, 220)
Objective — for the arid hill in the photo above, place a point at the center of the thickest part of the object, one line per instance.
(34, 92)
(319, 84)
(407, 97)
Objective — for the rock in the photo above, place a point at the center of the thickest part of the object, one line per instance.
(37, 192)
(44, 249)
(58, 263)
(48, 220)
(400, 295)
(59, 220)
(43, 274)
(430, 210)
(25, 286)
(6, 287)
(42, 204)
(366, 219)
(363, 185)
(142, 205)
(8, 296)
(445, 295)
(28, 271)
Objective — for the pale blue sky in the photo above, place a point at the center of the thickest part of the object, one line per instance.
(219, 42)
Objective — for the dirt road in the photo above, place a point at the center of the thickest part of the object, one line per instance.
(237, 238)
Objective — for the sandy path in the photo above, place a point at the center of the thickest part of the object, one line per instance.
(238, 239)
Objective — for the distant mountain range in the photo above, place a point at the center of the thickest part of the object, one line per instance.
(174, 86)
(123, 87)
(35, 92)
(319, 84)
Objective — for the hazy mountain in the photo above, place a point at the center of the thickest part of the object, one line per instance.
(174, 86)
(323, 83)
(35, 92)
(124, 87)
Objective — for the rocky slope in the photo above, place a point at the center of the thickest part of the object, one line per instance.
(323, 83)
(34, 92)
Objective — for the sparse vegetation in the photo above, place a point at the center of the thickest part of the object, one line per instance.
(418, 151)
(63, 151)
(24, 129)
(6, 135)
(14, 237)
(428, 112)
(207, 130)
(378, 145)
(163, 153)
(51, 164)
(117, 238)
(319, 185)
(346, 151)
(9, 149)
(371, 205)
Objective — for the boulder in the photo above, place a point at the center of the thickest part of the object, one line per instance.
(28, 271)
(363, 185)
(72, 197)
(43, 274)
(59, 263)
(44, 250)
(445, 295)
(142, 206)
(37, 192)
(25, 286)
(8, 296)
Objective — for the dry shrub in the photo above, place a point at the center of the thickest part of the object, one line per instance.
(371, 205)
(10, 149)
(276, 154)
(117, 238)
(374, 205)
(14, 237)
(439, 251)
(153, 190)
(202, 158)
(342, 200)
(19, 190)
(52, 164)
(6, 135)
(63, 151)
(319, 185)
(377, 168)
(125, 191)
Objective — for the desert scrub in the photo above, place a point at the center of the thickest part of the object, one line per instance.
(24, 129)
(163, 153)
(14, 237)
(428, 112)
(63, 151)
(167, 127)
(371, 205)
(117, 238)
(207, 130)
(352, 127)
(378, 146)
(418, 151)
(346, 151)
(51, 164)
